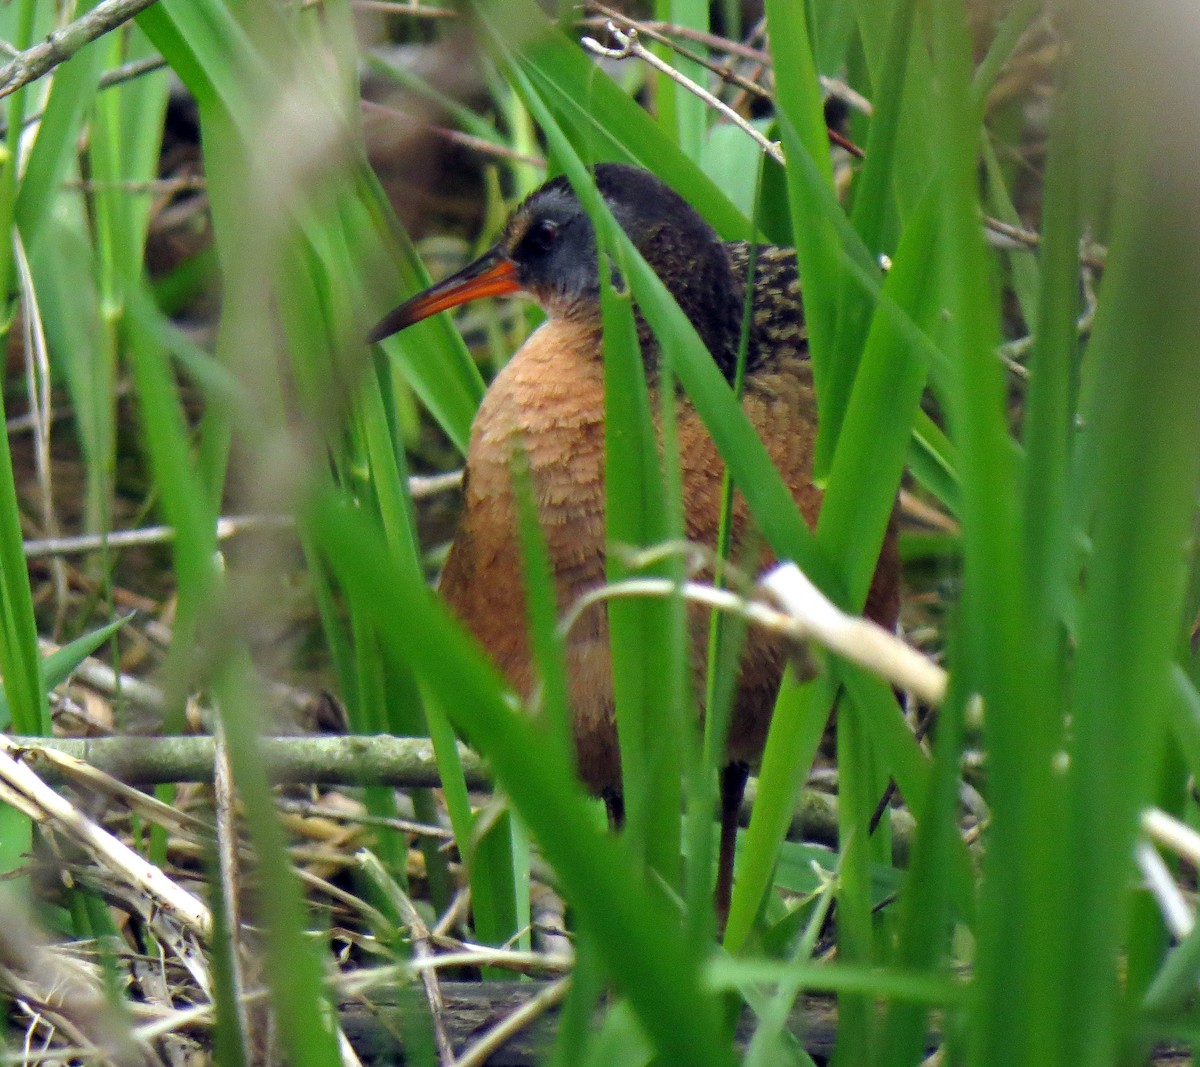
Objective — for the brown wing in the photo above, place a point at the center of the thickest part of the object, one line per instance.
(779, 332)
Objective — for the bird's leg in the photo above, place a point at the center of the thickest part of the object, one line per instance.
(733, 785)
(614, 803)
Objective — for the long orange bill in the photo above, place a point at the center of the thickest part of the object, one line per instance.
(493, 274)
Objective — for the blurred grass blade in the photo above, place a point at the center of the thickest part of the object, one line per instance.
(993, 647)
(724, 972)
(1016, 22)
(858, 793)
(1143, 491)
(199, 41)
(296, 967)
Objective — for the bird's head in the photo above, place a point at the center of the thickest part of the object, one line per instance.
(548, 250)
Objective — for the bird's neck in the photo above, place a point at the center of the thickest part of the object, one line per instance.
(719, 335)
(709, 292)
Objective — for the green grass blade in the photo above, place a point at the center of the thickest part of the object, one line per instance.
(53, 152)
(802, 124)
(674, 100)
(857, 796)
(634, 928)
(58, 666)
(797, 726)
(927, 900)
(933, 461)
(872, 193)
(20, 663)
(547, 642)
(867, 465)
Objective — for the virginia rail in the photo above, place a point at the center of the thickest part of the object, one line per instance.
(549, 400)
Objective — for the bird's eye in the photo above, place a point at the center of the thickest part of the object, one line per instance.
(540, 237)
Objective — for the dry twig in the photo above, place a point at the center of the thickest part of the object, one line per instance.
(63, 43)
(808, 615)
(514, 1022)
(419, 486)
(403, 762)
(422, 950)
(27, 792)
(629, 46)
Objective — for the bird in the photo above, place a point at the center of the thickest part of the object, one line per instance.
(547, 403)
